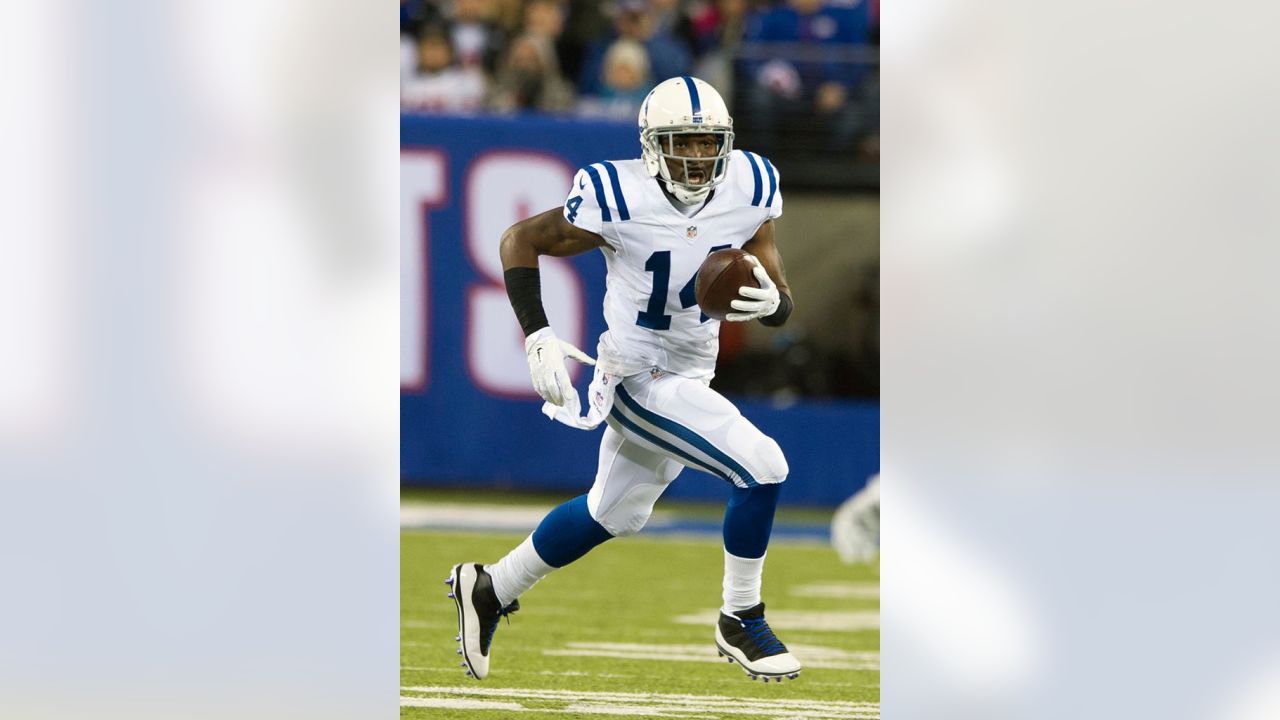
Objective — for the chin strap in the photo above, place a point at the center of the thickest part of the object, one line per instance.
(681, 194)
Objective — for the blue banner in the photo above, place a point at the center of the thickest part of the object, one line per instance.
(468, 416)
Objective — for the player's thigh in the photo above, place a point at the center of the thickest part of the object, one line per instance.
(699, 427)
(630, 477)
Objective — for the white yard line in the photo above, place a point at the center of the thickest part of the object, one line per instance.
(516, 671)
(605, 709)
(842, 590)
(462, 515)
(654, 704)
(812, 656)
(460, 704)
(818, 621)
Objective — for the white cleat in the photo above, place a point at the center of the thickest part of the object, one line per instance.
(478, 615)
(745, 638)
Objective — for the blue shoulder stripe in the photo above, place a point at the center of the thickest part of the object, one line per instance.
(604, 206)
(773, 180)
(755, 172)
(623, 214)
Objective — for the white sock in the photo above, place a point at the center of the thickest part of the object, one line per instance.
(514, 574)
(741, 582)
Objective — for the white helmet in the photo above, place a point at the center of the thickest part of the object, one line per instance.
(684, 105)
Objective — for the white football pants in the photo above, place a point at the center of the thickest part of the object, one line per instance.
(661, 423)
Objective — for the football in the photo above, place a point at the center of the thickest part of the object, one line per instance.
(721, 274)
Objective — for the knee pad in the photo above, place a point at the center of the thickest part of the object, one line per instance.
(758, 452)
(772, 462)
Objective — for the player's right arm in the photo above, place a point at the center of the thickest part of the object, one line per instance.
(547, 233)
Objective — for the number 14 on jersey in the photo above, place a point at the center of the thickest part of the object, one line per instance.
(659, 263)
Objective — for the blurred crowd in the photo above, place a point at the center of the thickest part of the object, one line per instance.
(800, 76)
(806, 66)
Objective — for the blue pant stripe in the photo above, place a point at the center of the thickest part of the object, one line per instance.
(687, 435)
(629, 424)
(617, 191)
(773, 180)
(604, 205)
(755, 171)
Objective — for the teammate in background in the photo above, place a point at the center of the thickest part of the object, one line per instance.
(855, 526)
(655, 219)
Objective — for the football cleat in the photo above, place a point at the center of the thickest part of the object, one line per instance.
(745, 638)
(478, 614)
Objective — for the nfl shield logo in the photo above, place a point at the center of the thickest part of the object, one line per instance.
(691, 232)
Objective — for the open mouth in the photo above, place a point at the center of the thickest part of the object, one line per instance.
(695, 177)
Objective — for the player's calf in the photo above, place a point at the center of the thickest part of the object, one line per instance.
(745, 638)
(479, 611)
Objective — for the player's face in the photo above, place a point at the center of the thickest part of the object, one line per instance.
(692, 146)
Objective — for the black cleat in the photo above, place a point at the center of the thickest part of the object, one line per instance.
(478, 615)
(745, 638)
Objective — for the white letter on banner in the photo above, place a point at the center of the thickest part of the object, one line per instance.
(423, 185)
(502, 188)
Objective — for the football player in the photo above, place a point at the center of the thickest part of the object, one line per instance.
(655, 219)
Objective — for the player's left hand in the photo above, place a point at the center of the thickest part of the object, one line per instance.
(754, 303)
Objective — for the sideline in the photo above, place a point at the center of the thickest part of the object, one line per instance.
(417, 515)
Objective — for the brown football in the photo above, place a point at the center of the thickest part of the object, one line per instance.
(721, 274)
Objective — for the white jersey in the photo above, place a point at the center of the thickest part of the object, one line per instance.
(653, 255)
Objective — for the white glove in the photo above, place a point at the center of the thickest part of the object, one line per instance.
(546, 354)
(759, 302)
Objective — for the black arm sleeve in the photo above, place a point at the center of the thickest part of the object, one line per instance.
(780, 315)
(524, 289)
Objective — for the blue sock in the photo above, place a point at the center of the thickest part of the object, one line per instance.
(748, 520)
(567, 533)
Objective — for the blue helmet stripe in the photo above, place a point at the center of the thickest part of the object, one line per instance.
(773, 180)
(692, 438)
(617, 191)
(604, 206)
(693, 97)
(755, 171)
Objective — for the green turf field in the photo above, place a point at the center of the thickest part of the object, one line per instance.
(628, 630)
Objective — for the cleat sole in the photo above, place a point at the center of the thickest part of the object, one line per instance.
(726, 651)
(455, 579)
